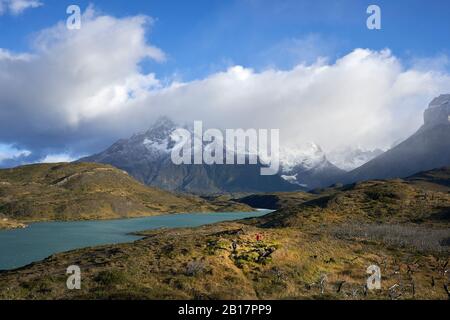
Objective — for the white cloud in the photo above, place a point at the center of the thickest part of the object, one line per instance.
(81, 89)
(8, 55)
(56, 158)
(365, 98)
(74, 78)
(9, 152)
(16, 7)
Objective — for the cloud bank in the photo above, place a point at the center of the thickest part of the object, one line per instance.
(79, 90)
(16, 7)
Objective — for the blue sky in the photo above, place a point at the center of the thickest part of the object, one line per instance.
(203, 36)
(232, 57)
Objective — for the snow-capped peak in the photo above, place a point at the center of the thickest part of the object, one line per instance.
(308, 155)
(351, 158)
(158, 137)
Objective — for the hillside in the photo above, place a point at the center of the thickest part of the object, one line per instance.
(316, 246)
(427, 149)
(418, 199)
(277, 200)
(436, 180)
(87, 191)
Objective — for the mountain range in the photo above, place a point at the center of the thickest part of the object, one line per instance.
(146, 157)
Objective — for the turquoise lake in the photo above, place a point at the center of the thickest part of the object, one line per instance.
(20, 247)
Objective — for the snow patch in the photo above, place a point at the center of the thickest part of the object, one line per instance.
(308, 156)
(351, 158)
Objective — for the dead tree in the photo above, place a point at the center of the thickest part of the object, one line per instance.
(339, 286)
(447, 290)
(323, 283)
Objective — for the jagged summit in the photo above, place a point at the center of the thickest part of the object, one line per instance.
(438, 111)
(157, 137)
(307, 155)
(443, 99)
(307, 165)
(161, 124)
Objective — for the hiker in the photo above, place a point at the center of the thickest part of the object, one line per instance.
(258, 237)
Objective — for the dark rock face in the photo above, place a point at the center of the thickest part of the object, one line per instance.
(438, 111)
(427, 149)
(321, 176)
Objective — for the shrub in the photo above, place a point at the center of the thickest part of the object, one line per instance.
(195, 267)
(419, 238)
(110, 278)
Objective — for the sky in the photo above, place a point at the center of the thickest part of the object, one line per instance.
(310, 68)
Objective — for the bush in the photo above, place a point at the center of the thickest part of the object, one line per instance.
(110, 278)
(195, 267)
(419, 238)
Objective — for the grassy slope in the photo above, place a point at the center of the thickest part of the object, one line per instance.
(87, 191)
(314, 247)
(393, 201)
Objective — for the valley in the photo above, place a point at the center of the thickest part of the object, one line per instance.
(233, 154)
(391, 214)
(315, 246)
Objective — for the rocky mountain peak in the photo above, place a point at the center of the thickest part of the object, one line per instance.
(438, 111)
(307, 155)
(161, 127)
(443, 99)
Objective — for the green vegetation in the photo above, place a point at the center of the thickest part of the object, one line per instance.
(78, 191)
(315, 246)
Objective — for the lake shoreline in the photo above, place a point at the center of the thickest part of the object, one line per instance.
(46, 238)
(11, 224)
(6, 224)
